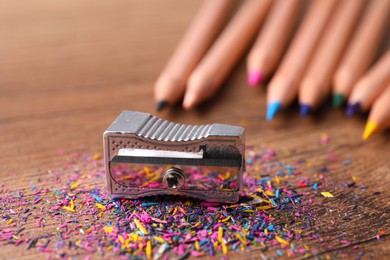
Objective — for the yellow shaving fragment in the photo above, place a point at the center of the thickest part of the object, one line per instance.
(220, 234)
(69, 208)
(108, 229)
(100, 206)
(159, 239)
(253, 196)
(97, 156)
(215, 245)
(74, 185)
(241, 239)
(9, 222)
(327, 194)
(282, 241)
(121, 239)
(265, 207)
(127, 242)
(141, 227)
(197, 245)
(148, 249)
(226, 219)
(224, 248)
(232, 206)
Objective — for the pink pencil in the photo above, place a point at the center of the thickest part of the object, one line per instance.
(272, 40)
(225, 52)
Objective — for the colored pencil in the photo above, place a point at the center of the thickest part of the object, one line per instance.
(271, 42)
(363, 48)
(209, 21)
(379, 118)
(283, 88)
(369, 87)
(213, 69)
(315, 85)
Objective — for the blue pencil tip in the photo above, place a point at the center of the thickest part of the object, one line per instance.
(352, 109)
(304, 109)
(272, 109)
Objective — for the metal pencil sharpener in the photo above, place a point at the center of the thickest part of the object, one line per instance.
(146, 156)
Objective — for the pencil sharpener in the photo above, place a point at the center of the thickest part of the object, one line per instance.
(147, 156)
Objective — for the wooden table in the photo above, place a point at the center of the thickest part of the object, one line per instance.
(67, 68)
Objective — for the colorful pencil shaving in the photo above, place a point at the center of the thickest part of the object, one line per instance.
(69, 214)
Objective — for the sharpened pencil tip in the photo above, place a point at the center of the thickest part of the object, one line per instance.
(189, 101)
(304, 110)
(254, 78)
(272, 109)
(160, 105)
(337, 100)
(352, 109)
(370, 129)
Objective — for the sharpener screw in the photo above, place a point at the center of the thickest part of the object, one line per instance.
(174, 178)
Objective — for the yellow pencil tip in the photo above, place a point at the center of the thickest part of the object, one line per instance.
(370, 129)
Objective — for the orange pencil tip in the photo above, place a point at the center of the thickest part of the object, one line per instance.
(370, 129)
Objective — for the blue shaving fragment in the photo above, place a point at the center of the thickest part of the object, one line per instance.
(148, 204)
(96, 197)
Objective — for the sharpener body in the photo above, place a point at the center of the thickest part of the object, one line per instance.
(147, 156)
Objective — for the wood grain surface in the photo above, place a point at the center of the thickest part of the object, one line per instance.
(67, 69)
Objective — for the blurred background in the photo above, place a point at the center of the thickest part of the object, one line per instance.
(59, 46)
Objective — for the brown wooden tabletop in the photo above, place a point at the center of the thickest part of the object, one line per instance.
(67, 69)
